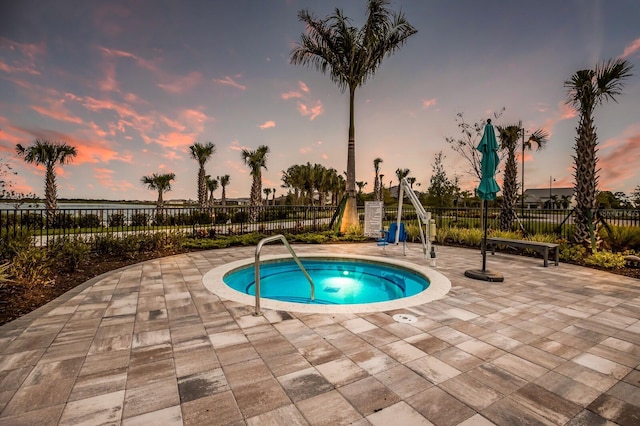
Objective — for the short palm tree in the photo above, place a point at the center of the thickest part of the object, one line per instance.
(509, 138)
(351, 55)
(212, 186)
(256, 160)
(161, 183)
(377, 193)
(49, 154)
(587, 89)
(202, 153)
(224, 182)
(267, 192)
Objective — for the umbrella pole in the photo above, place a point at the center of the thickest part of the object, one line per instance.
(484, 238)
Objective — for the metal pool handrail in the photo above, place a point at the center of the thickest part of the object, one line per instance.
(257, 267)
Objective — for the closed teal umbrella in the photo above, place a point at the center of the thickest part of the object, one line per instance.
(488, 146)
(487, 191)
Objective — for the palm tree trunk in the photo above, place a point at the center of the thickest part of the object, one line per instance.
(586, 181)
(202, 190)
(507, 213)
(256, 190)
(350, 215)
(51, 193)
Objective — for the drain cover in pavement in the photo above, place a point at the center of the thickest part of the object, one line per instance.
(404, 318)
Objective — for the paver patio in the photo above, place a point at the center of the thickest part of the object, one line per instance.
(149, 344)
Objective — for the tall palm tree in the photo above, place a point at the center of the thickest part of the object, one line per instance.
(49, 154)
(351, 55)
(212, 186)
(509, 138)
(202, 153)
(376, 183)
(224, 182)
(256, 160)
(161, 183)
(587, 89)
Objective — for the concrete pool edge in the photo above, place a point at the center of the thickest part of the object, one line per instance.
(438, 288)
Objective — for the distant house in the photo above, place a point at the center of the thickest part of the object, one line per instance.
(549, 198)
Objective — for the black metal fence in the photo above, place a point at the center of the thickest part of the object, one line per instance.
(199, 222)
(529, 221)
(234, 220)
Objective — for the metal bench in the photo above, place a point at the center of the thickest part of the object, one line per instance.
(540, 247)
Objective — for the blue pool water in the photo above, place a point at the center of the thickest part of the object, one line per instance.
(339, 282)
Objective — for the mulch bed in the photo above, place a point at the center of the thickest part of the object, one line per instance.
(17, 300)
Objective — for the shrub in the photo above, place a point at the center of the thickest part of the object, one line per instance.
(442, 235)
(89, 221)
(13, 241)
(116, 220)
(240, 216)
(63, 221)
(543, 238)
(139, 219)
(31, 267)
(620, 238)
(5, 274)
(572, 252)
(514, 235)
(70, 252)
(221, 217)
(32, 221)
(605, 259)
(104, 244)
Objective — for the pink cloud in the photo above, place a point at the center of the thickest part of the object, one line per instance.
(25, 56)
(194, 116)
(228, 81)
(235, 146)
(175, 139)
(105, 178)
(291, 94)
(429, 103)
(109, 83)
(632, 48)
(303, 87)
(59, 114)
(267, 124)
(141, 62)
(182, 84)
(619, 159)
(312, 112)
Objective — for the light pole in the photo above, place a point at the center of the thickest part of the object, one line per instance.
(551, 180)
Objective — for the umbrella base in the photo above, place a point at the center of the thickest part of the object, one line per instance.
(479, 274)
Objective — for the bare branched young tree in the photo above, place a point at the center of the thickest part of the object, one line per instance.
(466, 145)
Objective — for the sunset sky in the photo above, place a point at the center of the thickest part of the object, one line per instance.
(131, 84)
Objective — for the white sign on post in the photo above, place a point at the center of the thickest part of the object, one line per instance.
(372, 218)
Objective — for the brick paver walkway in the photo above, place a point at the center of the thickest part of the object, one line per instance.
(149, 345)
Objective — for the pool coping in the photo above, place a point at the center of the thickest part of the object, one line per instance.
(439, 286)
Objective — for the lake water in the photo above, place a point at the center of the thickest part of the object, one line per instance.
(82, 206)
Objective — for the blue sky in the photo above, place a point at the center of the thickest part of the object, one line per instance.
(133, 84)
